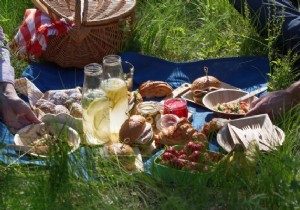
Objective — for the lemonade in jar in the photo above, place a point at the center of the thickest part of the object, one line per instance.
(96, 107)
(116, 90)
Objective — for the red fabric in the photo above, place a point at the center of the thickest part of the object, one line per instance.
(37, 26)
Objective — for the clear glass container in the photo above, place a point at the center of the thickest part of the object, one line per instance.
(116, 90)
(95, 106)
(166, 121)
(150, 110)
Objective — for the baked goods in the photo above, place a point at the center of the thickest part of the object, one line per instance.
(152, 89)
(214, 125)
(45, 106)
(179, 134)
(125, 154)
(60, 101)
(135, 131)
(203, 85)
(76, 110)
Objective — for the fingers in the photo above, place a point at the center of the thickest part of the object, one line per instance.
(18, 115)
(30, 116)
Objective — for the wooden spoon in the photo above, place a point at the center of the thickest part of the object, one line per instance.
(249, 95)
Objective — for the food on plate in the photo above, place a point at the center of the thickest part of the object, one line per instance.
(238, 107)
(203, 85)
(134, 98)
(193, 157)
(135, 131)
(152, 89)
(45, 106)
(179, 134)
(60, 101)
(61, 109)
(48, 142)
(63, 97)
(47, 138)
(125, 154)
(214, 125)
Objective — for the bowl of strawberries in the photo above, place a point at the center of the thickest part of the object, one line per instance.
(185, 163)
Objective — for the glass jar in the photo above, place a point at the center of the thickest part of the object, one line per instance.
(116, 90)
(166, 121)
(95, 107)
(150, 110)
(177, 106)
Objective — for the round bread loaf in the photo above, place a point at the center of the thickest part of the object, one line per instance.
(132, 128)
(205, 82)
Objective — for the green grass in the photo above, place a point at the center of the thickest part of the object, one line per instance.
(175, 30)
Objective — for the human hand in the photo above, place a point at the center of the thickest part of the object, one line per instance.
(273, 104)
(14, 112)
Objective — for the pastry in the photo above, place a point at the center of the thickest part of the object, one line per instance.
(152, 89)
(179, 134)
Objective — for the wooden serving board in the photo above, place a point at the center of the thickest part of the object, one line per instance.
(189, 96)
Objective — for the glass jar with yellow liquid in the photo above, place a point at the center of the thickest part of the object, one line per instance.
(96, 107)
(116, 90)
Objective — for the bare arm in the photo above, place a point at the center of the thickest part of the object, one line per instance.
(277, 102)
(13, 111)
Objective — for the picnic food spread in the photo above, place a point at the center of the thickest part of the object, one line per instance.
(155, 126)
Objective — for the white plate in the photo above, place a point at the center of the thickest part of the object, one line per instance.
(27, 135)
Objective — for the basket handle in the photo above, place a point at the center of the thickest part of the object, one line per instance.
(79, 6)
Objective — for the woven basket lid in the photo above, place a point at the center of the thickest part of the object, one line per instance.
(89, 12)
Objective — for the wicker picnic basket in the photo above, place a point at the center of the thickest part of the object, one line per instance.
(101, 27)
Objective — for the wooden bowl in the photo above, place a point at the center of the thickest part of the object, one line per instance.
(210, 100)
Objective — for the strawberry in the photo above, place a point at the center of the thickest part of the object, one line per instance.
(172, 150)
(180, 152)
(167, 156)
(199, 146)
(178, 163)
(183, 156)
(194, 156)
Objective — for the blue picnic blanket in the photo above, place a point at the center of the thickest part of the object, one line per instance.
(247, 73)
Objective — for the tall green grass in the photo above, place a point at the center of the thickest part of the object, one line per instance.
(176, 30)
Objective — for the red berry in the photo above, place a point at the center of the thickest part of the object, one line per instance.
(199, 146)
(183, 156)
(188, 148)
(172, 150)
(194, 156)
(167, 156)
(178, 163)
(181, 152)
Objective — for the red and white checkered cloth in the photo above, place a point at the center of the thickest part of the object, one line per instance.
(37, 26)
